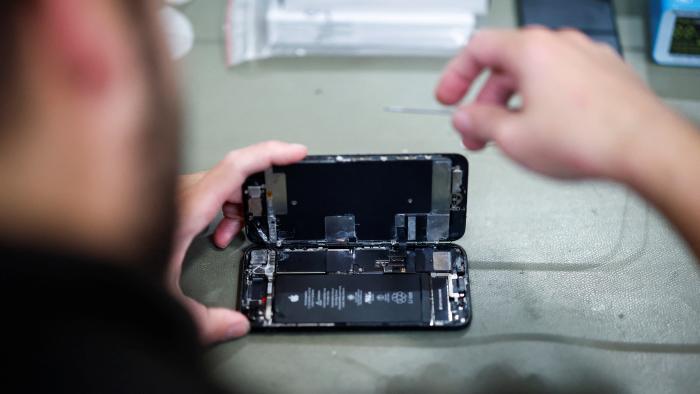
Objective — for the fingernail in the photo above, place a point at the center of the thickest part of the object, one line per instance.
(238, 329)
(299, 146)
(461, 121)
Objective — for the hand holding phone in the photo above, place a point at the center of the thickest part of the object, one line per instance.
(201, 197)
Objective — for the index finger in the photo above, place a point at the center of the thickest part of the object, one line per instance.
(223, 182)
(496, 49)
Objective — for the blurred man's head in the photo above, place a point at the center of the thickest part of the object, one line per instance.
(88, 128)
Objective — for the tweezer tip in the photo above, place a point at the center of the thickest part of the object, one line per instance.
(418, 111)
(393, 108)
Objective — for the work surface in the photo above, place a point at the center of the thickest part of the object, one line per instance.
(576, 287)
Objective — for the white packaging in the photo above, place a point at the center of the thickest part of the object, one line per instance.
(260, 29)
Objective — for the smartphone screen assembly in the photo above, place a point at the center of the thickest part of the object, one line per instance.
(357, 241)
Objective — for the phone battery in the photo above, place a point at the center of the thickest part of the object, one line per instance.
(351, 299)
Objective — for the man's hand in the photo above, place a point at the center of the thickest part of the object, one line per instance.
(583, 106)
(584, 114)
(201, 197)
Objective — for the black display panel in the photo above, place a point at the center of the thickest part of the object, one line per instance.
(373, 191)
(686, 36)
(595, 18)
(300, 202)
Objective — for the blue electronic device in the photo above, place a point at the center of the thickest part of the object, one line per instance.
(675, 32)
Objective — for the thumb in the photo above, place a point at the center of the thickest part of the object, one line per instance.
(221, 324)
(481, 123)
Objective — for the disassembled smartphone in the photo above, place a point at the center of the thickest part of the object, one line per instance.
(357, 241)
